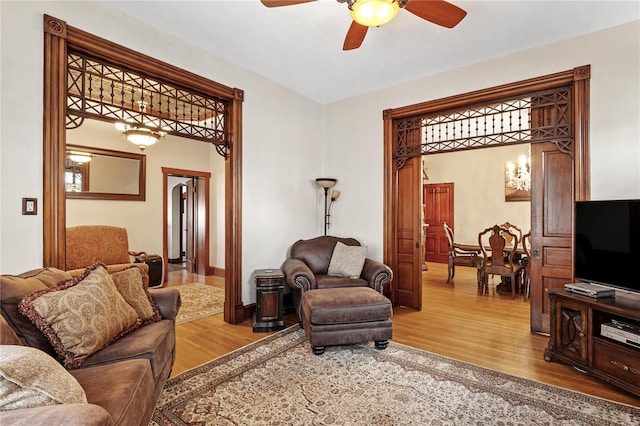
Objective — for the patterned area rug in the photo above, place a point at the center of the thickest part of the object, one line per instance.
(278, 381)
(199, 301)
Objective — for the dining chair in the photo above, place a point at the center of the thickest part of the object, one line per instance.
(526, 265)
(499, 256)
(459, 256)
(514, 229)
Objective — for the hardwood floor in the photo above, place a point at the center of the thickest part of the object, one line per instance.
(490, 330)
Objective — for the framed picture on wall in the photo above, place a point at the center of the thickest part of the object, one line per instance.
(517, 184)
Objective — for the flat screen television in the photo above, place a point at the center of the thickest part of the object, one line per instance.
(607, 243)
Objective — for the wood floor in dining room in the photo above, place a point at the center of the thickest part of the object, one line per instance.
(488, 330)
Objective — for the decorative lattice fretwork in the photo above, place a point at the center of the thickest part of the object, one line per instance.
(572, 336)
(99, 90)
(543, 116)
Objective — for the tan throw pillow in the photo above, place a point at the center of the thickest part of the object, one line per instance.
(82, 316)
(14, 288)
(129, 283)
(31, 378)
(347, 261)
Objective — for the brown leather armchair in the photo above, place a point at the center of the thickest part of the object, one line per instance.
(308, 265)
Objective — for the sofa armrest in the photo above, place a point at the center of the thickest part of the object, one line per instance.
(61, 414)
(377, 274)
(168, 301)
(298, 275)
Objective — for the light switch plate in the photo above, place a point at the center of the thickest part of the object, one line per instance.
(29, 206)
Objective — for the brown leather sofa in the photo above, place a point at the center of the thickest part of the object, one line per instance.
(308, 265)
(122, 381)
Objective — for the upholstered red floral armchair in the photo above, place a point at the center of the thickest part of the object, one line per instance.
(86, 245)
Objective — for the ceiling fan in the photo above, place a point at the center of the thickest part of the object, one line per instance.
(373, 13)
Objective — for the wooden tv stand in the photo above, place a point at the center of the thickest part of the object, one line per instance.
(576, 340)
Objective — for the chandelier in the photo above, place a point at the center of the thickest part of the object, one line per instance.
(518, 176)
(141, 135)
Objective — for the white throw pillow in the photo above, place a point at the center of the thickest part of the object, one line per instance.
(347, 261)
(31, 378)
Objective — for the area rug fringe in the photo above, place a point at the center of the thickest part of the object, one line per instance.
(199, 301)
(278, 381)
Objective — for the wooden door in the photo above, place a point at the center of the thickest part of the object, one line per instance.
(438, 208)
(552, 198)
(201, 236)
(190, 214)
(197, 253)
(408, 275)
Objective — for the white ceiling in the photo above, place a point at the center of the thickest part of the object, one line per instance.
(300, 46)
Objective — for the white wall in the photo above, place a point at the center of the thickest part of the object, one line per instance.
(354, 127)
(282, 137)
(289, 140)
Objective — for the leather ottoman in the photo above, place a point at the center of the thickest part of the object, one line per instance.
(346, 316)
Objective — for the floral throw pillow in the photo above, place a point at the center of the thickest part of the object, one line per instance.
(130, 284)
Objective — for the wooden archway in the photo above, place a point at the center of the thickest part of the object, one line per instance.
(58, 38)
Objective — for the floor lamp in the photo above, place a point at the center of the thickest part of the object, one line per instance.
(326, 184)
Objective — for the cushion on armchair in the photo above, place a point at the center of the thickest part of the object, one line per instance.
(316, 252)
(347, 261)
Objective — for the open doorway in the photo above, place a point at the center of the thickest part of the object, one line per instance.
(556, 108)
(187, 215)
(176, 223)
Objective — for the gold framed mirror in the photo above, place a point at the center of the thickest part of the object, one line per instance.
(103, 174)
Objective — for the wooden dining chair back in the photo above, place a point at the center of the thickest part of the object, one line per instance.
(498, 256)
(459, 256)
(514, 229)
(526, 265)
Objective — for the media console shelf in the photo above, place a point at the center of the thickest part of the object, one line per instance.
(576, 336)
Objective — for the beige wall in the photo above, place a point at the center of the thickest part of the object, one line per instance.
(288, 139)
(282, 143)
(354, 133)
(143, 219)
(478, 178)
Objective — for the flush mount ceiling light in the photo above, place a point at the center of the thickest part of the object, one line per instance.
(79, 157)
(373, 13)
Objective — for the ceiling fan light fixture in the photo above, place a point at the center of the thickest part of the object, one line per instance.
(373, 13)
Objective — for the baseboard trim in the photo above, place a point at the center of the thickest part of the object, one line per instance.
(249, 310)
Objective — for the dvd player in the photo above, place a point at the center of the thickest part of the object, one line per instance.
(590, 290)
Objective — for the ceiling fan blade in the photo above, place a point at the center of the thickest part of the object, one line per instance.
(437, 11)
(278, 3)
(355, 36)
